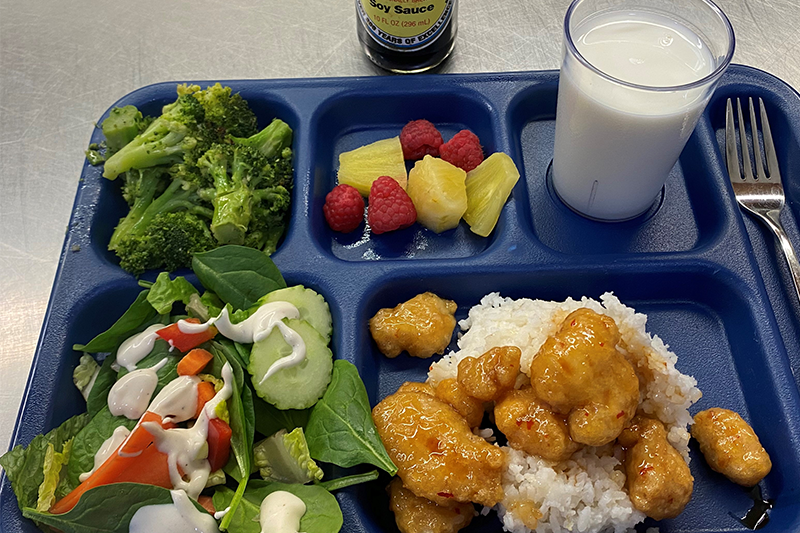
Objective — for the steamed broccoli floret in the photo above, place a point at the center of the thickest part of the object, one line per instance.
(169, 241)
(236, 172)
(268, 221)
(147, 237)
(165, 141)
(270, 141)
(226, 113)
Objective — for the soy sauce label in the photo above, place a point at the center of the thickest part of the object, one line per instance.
(404, 24)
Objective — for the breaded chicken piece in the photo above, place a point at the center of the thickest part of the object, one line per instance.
(530, 426)
(422, 326)
(452, 393)
(418, 515)
(487, 377)
(658, 480)
(730, 446)
(437, 455)
(579, 373)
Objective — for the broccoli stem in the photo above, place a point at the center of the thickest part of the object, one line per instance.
(231, 217)
(121, 127)
(147, 190)
(176, 197)
(234, 201)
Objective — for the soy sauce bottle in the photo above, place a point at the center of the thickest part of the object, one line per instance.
(407, 36)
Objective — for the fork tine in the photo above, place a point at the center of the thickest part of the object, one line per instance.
(748, 170)
(731, 155)
(762, 175)
(769, 146)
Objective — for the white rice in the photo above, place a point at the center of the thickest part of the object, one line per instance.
(585, 493)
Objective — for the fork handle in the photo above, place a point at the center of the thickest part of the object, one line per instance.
(772, 219)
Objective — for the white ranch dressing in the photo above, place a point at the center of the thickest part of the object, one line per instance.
(256, 327)
(183, 446)
(106, 450)
(177, 401)
(181, 516)
(131, 394)
(219, 515)
(281, 512)
(137, 347)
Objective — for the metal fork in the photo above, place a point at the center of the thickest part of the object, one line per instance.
(761, 195)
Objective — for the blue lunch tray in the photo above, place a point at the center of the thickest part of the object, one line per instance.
(709, 278)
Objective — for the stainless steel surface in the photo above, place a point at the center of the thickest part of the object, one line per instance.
(63, 63)
(762, 197)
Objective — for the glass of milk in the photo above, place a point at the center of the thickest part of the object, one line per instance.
(635, 78)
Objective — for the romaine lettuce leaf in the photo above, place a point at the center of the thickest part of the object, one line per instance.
(284, 457)
(24, 465)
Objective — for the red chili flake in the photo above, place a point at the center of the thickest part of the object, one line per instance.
(528, 423)
(574, 322)
(444, 494)
(601, 343)
(645, 469)
(620, 414)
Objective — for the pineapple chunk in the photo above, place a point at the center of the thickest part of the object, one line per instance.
(360, 167)
(438, 191)
(488, 188)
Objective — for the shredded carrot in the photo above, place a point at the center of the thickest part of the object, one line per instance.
(205, 391)
(194, 362)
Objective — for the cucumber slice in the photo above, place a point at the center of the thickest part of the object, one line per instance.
(299, 386)
(312, 306)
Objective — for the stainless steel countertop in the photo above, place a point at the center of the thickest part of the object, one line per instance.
(62, 64)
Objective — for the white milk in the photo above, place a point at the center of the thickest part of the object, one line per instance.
(615, 144)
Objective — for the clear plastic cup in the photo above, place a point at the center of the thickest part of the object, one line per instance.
(635, 77)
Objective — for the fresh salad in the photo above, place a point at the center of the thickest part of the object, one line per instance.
(206, 411)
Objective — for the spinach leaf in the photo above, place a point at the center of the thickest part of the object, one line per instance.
(269, 419)
(340, 429)
(240, 408)
(237, 274)
(89, 440)
(107, 508)
(322, 515)
(244, 353)
(348, 481)
(98, 396)
(139, 313)
(231, 351)
(166, 292)
(244, 519)
(23, 466)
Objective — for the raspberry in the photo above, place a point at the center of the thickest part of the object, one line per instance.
(420, 138)
(344, 208)
(463, 150)
(390, 208)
